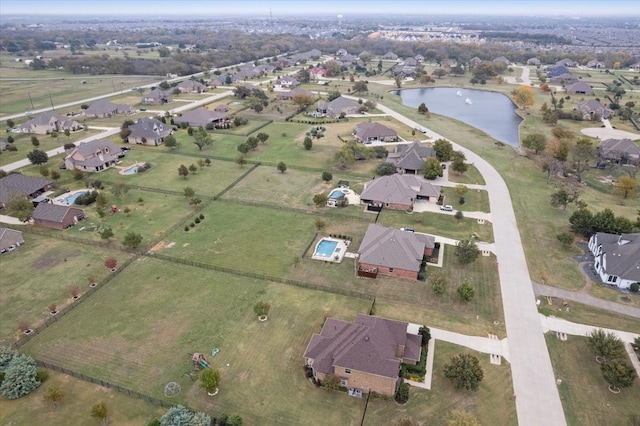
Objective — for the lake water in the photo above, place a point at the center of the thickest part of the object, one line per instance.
(491, 112)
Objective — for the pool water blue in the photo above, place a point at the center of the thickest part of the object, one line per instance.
(326, 248)
(72, 198)
(335, 194)
(130, 170)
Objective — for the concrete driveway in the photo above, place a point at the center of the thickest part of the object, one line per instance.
(607, 133)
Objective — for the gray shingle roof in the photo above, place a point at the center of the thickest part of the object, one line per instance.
(366, 131)
(611, 148)
(200, 117)
(20, 184)
(103, 106)
(622, 254)
(394, 248)
(580, 86)
(369, 345)
(410, 157)
(10, 237)
(54, 212)
(398, 189)
(339, 104)
(149, 128)
(95, 153)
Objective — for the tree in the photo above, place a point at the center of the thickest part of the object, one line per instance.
(333, 95)
(385, 169)
(398, 81)
(35, 142)
(37, 157)
(327, 176)
(106, 233)
(183, 171)
(19, 206)
(462, 418)
(302, 101)
(171, 142)
(626, 186)
(201, 419)
(467, 251)
(606, 344)
(443, 149)
(119, 189)
(440, 72)
(422, 109)
(439, 283)
(124, 133)
(6, 355)
(319, 224)
(461, 190)
(132, 239)
(332, 382)
(54, 174)
(426, 79)
(11, 124)
(320, 200)
(67, 133)
(202, 139)
(524, 96)
(536, 142)
(307, 143)
(431, 168)
(425, 332)
(262, 137)
(261, 308)
(564, 196)
(360, 87)
(177, 415)
(20, 377)
(466, 292)
(464, 371)
(210, 379)
(458, 165)
(53, 395)
(405, 421)
(188, 191)
(582, 152)
(565, 239)
(241, 159)
(617, 373)
(282, 167)
(459, 215)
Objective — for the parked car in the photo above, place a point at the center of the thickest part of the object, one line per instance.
(407, 229)
(446, 208)
(125, 148)
(63, 167)
(421, 129)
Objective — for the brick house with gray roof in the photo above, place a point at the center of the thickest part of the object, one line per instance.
(338, 106)
(149, 131)
(409, 159)
(619, 151)
(15, 183)
(616, 258)
(366, 354)
(287, 96)
(579, 88)
(10, 239)
(156, 97)
(48, 122)
(93, 156)
(104, 109)
(393, 252)
(200, 117)
(374, 132)
(398, 192)
(191, 86)
(56, 216)
(592, 108)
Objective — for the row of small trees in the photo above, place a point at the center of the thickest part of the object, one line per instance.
(611, 354)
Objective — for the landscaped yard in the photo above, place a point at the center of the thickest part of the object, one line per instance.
(585, 396)
(166, 311)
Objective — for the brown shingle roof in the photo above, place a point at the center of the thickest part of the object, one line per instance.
(393, 248)
(54, 212)
(20, 184)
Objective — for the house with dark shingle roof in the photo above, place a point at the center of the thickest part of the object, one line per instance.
(390, 55)
(15, 183)
(556, 70)
(619, 151)
(616, 258)
(374, 132)
(92, 156)
(365, 354)
(156, 97)
(502, 59)
(286, 96)
(567, 62)
(10, 239)
(338, 106)
(409, 159)
(191, 86)
(149, 131)
(56, 216)
(533, 61)
(398, 192)
(104, 109)
(592, 108)
(48, 122)
(288, 82)
(394, 252)
(595, 64)
(200, 117)
(579, 88)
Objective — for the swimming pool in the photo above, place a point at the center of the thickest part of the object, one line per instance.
(338, 193)
(325, 248)
(131, 170)
(72, 198)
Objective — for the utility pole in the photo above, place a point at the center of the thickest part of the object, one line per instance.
(51, 100)
(30, 100)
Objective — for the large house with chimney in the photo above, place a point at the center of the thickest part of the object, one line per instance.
(409, 159)
(398, 192)
(17, 184)
(374, 132)
(366, 355)
(156, 97)
(48, 122)
(105, 109)
(149, 131)
(93, 156)
(616, 258)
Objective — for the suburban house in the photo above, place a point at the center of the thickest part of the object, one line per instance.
(592, 107)
(347, 59)
(191, 86)
(287, 82)
(92, 156)
(502, 59)
(374, 132)
(579, 88)
(223, 80)
(200, 117)
(566, 62)
(16, 183)
(365, 354)
(393, 252)
(341, 52)
(156, 97)
(10, 239)
(56, 216)
(619, 151)
(564, 79)
(149, 131)
(338, 106)
(221, 108)
(410, 62)
(104, 109)
(390, 56)
(48, 122)
(595, 64)
(398, 192)
(287, 96)
(616, 258)
(475, 61)
(533, 61)
(419, 57)
(556, 70)
(409, 159)
(318, 72)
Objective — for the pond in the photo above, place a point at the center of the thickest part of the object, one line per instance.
(493, 113)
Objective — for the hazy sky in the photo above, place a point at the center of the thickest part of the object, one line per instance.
(325, 7)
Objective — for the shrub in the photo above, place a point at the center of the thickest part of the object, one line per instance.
(201, 216)
(197, 220)
(176, 416)
(86, 198)
(42, 375)
(402, 395)
(635, 287)
(210, 379)
(20, 377)
(261, 308)
(186, 228)
(6, 355)
(192, 224)
(110, 262)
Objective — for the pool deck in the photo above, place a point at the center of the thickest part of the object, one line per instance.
(60, 200)
(338, 253)
(123, 170)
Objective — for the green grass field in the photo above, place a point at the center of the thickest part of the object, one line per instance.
(584, 392)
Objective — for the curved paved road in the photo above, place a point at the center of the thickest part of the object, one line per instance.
(537, 397)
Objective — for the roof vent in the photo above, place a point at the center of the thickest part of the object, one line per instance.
(366, 338)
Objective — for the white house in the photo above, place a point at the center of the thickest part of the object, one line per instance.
(616, 258)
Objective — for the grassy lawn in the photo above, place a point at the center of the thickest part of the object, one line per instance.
(471, 176)
(75, 409)
(589, 315)
(474, 200)
(610, 293)
(492, 404)
(39, 274)
(584, 392)
(437, 224)
(159, 323)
